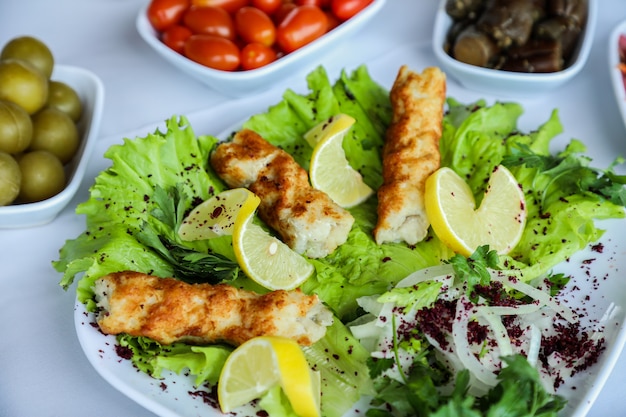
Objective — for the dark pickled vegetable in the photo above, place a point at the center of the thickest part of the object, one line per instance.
(464, 9)
(475, 47)
(510, 22)
(516, 35)
(536, 56)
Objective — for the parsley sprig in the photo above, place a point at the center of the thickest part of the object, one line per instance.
(569, 172)
(189, 264)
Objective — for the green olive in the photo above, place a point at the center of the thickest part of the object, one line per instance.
(63, 97)
(55, 132)
(42, 176)
(23, 84)
(16, 128)
(30, 49)
(10, 179)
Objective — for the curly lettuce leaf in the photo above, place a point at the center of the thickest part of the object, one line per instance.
(561, 218)
(125, 204)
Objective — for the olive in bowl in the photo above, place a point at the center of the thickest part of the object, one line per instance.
(44, 150)
(539, 48)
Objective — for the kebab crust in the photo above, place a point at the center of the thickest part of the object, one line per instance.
(410, 154)
(169, 310)
(308, 221)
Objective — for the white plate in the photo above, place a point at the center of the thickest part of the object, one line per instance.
(598, 275)
(616, 76)
(91, 92)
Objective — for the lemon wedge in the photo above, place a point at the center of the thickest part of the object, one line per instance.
(329, 169)
(216, 216)
(260, 364)
(263, 257)
(498, 222)
(299, 382)
(249, 372)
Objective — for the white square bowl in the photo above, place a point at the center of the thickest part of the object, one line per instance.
(241, 83)
(617, 79)
(91, 92)
(507, 83)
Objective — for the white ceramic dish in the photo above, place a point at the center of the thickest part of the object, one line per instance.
(616, 76)
(597, 274)
(595, 286)
(240, 83)
(91, 92)
(505, 83)
(175, 396)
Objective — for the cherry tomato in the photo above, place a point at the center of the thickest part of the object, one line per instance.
(301, 26)
(282, 12)
(318, 3)
(333, 22)
(345, 9)
(256, 55)
(253, 25)
(210, 20)
(213, 51)
(175, 37)
(164, 13)
(268, 6)
(231, 6)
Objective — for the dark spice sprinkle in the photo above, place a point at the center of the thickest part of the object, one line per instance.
(124, 352)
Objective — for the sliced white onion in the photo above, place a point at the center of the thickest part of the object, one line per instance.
(462, 346)
(443, 272)
(534, 345)
(498, 329)
(543, 297)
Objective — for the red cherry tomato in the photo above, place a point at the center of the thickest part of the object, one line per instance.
(345, 9)
(256, 55)
(210, 20)
(318, 3)
(282, 12)
(164, 13)
(213, 51)
(333, 22)
(301, 26)
(253, 25)
(175, 37)
(268, 6)
(231, 6)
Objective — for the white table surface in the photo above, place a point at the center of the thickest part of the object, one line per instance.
(43, 371)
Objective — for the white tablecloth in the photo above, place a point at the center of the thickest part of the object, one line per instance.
(43, 371)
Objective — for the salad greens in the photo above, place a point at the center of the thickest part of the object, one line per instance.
(137, 204)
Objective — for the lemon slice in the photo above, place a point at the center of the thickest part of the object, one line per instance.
(248, 373)
(329, 170)
(264, 258)
(216, 216)
(498, 222)
(300, 384)
(260, 364)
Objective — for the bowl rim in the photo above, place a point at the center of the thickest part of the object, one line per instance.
(619, 89)
(442, 23)
(149, 34)
(91, 128)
